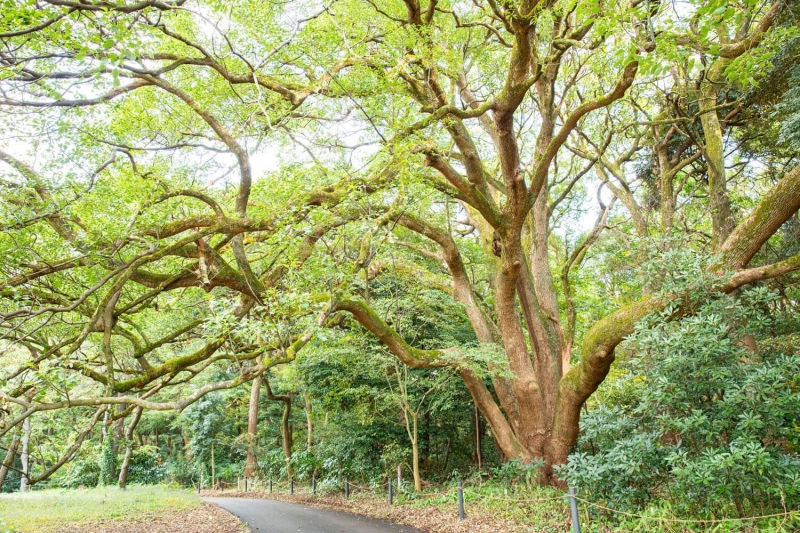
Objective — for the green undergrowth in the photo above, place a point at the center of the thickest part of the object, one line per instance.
(45, 510)
(545, 510)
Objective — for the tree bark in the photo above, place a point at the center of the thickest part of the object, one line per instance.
(719, 202)
(11, 454)
(415, 453)
(286, 428)
(309, 422)
(128, 436)
(478, 446)
(24, 481)
(251, 463)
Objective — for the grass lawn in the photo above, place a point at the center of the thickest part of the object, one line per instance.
(46, 510)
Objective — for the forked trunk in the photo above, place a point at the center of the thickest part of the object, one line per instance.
(286, 428)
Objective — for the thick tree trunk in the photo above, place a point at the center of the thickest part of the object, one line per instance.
(24, 481)
(719, 203)
(251, 463)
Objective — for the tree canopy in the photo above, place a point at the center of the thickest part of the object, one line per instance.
(194, 191)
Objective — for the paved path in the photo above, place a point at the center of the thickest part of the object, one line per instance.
(272, 516)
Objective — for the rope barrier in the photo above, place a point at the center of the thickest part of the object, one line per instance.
(362, 487)
(513, 500)
(477, 496)
(427, 495)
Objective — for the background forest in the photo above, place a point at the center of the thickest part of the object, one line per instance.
(522, 243)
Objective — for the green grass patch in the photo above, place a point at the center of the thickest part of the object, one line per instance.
(45, 510)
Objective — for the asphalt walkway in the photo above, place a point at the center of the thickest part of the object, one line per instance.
(272, 516)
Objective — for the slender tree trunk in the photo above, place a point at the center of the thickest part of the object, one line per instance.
(415, 454)
(251, 463)
(119, 431)
(666, 190)
(426, 438)
(128, 436)
(286, 428)
(286, 431)
(446, 455)
(11, 454)
(309, 422)
(478, 454)
(25, 456)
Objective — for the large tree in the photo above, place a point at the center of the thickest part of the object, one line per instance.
(457, 143)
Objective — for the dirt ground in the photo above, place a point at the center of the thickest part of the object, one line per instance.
(206, 518)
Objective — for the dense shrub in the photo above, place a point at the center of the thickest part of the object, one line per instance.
(147, 467)
(699, 419)
(83, 471)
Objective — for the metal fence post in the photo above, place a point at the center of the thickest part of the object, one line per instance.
(314, 485)
(576, 526)
(270, 485)
(291, 486)
(460, 500)
(346, 489)
(245, 484)
(390, 491)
